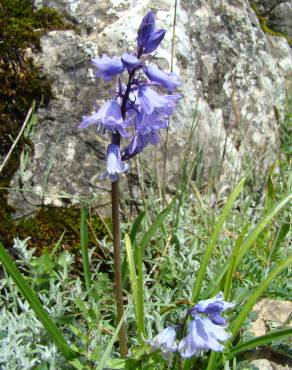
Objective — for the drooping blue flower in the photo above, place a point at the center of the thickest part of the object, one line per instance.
(139, 142)
(203, 336)
(165, 341)
(130, 61)
(115, 166)
(114, 122)
(97, 117)
(149, 122)
(108, 67)
(149, 99)
(148, 39)
(168, 80)
(108, 117)
(213, 308)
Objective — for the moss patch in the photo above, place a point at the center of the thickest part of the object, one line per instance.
(47, 225)
(263, 19)
(21, 26)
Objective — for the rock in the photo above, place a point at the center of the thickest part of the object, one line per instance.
(277, 13)
(280, 18)
(266, 6)
(271, 314)
(233, 79)
(268, 310)
(263, 364)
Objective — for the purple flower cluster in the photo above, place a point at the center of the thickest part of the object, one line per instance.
(206, 330)
(138, 104)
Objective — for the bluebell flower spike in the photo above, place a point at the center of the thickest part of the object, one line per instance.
(139, 104)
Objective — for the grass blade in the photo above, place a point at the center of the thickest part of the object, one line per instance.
(133, 280)
(256, 294)
(260, 227)
(107, 352)
(36, 305)
(155, 225)
(84, 248)
(232, 263)
(217, 230)
(141, 327)
(248, 241)
(260, 341)
(212, 361)
(136, 226)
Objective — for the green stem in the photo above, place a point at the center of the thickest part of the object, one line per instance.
(212, 361)
(84, 248)
(118, 267)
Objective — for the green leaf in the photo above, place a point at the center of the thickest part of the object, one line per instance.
(35, 304)
(79, 365)
(260, 227)
(232, 263)
(248, 241)
(136, 225)
(260, 341)
(270, 197)
(212, 361)
(214, 238)
(43, 264)
(155, 225)
(235, 327)
(116, 363)
(134, 282)
(107, 352)
(58, 244)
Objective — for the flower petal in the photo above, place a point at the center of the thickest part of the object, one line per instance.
(149, 99)
(115, 166)
(153, 41)
(96, 117)
(147, 27)
(165, 341)
(130, 61)
(108, 67)
(168, 80)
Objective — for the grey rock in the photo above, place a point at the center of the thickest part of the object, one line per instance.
(264, 7)
(280, 18)
(269, 310)
(263, 364)
(233, 78)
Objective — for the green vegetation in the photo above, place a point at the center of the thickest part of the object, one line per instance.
(174, 255)
(162, 257)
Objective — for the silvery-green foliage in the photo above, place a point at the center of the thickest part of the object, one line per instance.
(26, 254)
(24, 342)
(22, 335)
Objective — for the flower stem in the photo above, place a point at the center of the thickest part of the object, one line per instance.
(117, 236)
(117, 267)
